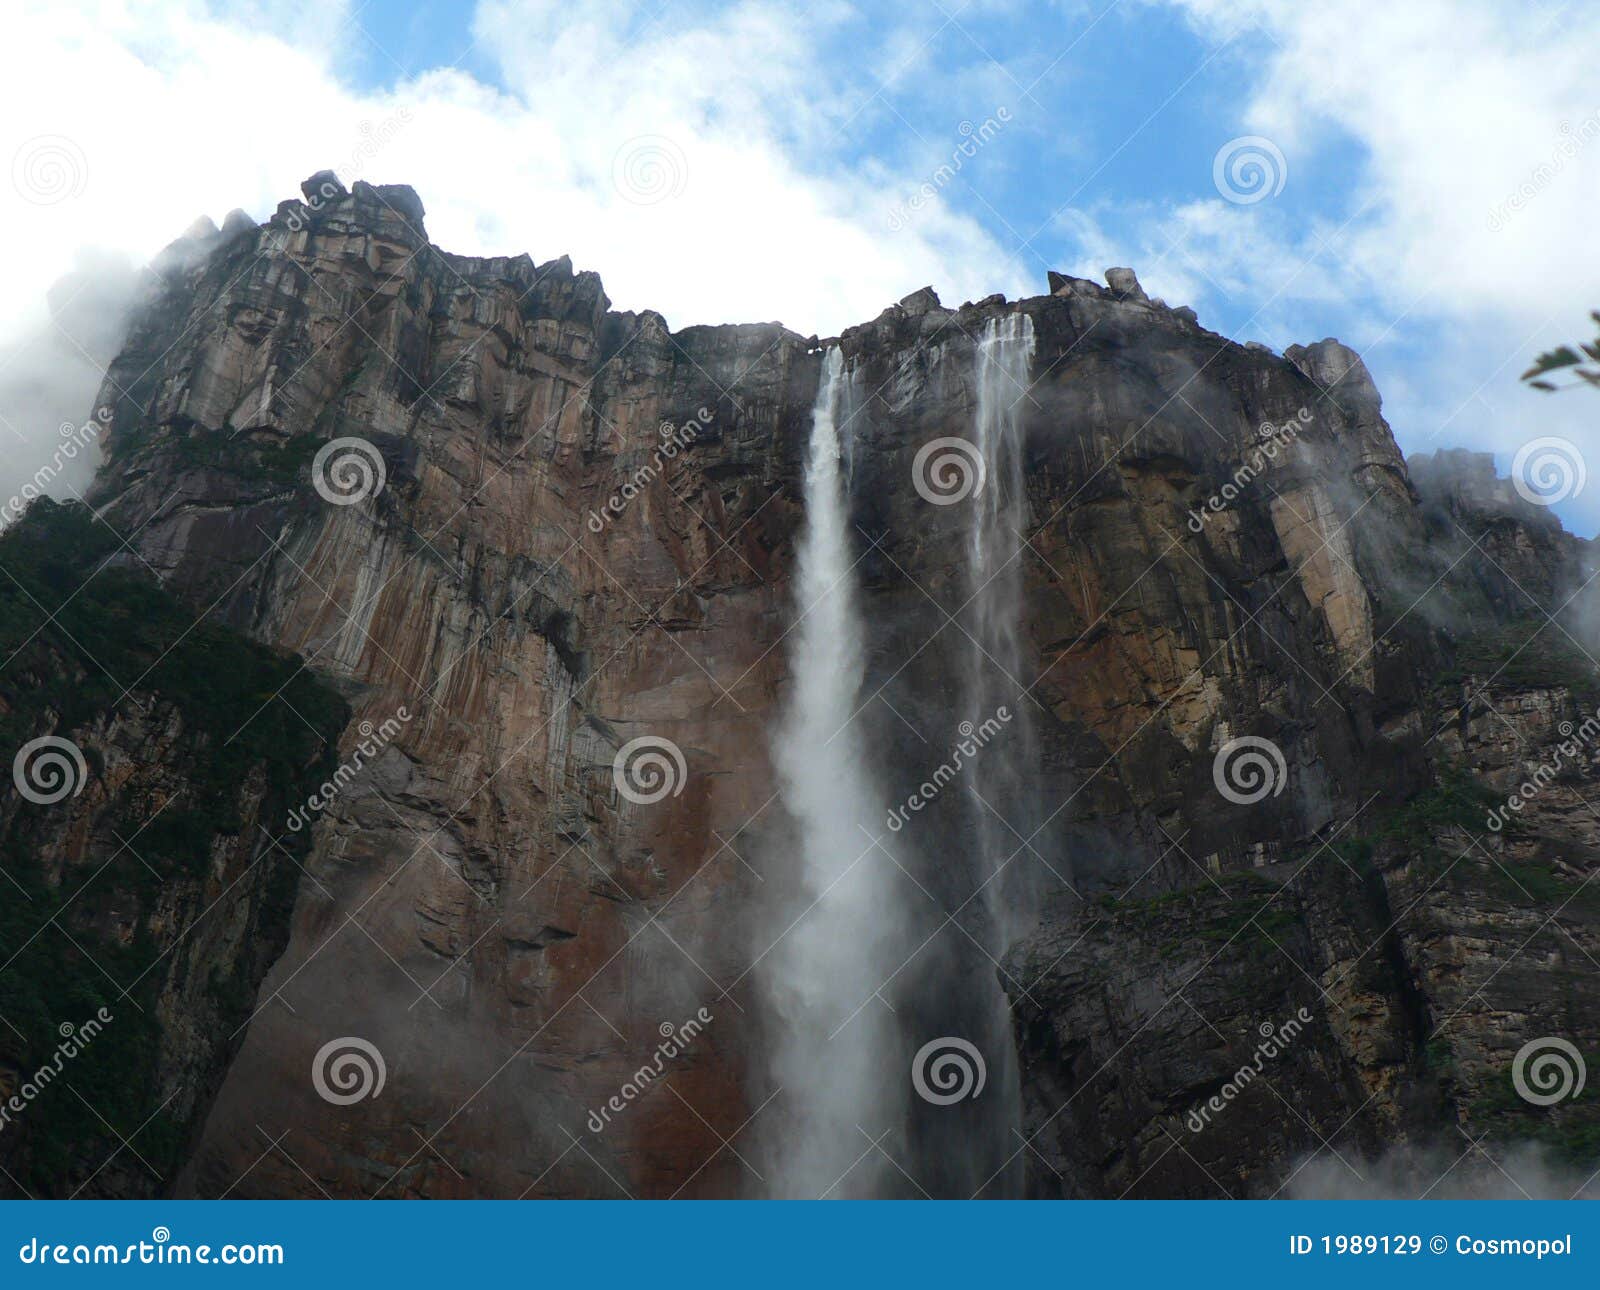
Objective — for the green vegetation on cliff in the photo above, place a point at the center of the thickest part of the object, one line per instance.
(91, 645)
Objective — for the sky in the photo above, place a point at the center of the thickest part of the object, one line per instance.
(1417, 179)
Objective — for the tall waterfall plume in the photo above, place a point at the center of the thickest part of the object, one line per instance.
(998, 675)
(835, 1046)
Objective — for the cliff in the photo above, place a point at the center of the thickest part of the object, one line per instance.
(568, 528)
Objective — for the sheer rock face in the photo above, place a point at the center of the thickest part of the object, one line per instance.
(1222, 543)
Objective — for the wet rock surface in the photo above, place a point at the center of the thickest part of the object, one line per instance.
(1222, 543)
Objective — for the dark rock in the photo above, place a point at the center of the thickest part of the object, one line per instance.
(1124, 284)
(323, 187)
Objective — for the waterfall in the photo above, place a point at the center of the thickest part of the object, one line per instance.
(835, 1043)
(1000, 784)
(973, 853)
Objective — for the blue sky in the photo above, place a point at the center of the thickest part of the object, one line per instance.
(757, 159)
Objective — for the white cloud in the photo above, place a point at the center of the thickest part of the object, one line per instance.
(1458, 105)
(157, 114)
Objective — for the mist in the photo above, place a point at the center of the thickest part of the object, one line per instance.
(50, 373)
(1496, 1171)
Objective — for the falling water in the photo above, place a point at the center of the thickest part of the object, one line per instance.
(1000, 784)
(835, 1043)
(981, 863)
